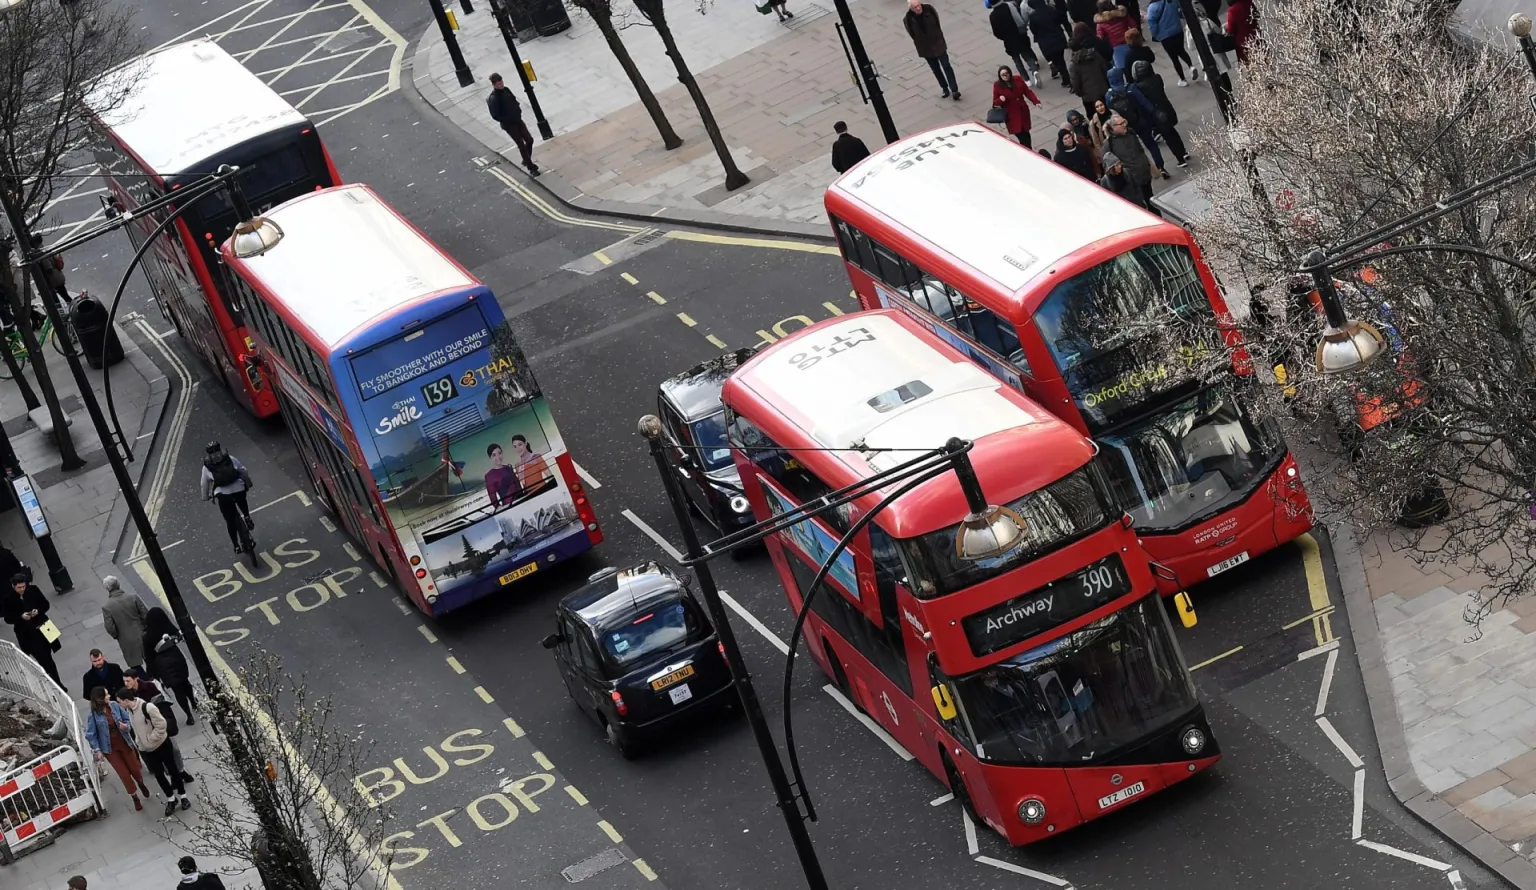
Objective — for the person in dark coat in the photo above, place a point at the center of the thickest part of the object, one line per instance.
(1118, 180)
(1167, 117)
(1126, 147)
(922, 24)
(1012, 95)
(192, 879)
(508, 115)
(1050, 31)
(164, 659)
(1112, 21)
(1127, 101)
(1073, 156)
(11, 564)
(26, 609)
(848, 149)
(1089, 75)
(102, 673)
(122, 617)
(1081, 12)
(1133, 50)
(1010, 26)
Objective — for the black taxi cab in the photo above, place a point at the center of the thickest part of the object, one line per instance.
(693, 427)
(636, 652)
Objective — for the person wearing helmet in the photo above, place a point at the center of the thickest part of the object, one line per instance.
(226, 481)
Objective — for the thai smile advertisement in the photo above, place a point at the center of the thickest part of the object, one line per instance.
(462, 446)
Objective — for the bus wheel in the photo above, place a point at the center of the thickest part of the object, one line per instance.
(957, 787)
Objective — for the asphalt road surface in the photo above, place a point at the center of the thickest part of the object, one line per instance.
(487, 774)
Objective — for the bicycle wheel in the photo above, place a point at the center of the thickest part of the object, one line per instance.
(53, 340)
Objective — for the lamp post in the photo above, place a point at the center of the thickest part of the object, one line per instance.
(460, 67)
(1221, 84)
(1520, 26)
(987, 531)
(504, 22)
(865, 69)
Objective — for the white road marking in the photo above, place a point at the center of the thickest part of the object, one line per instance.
(941, 800)
(173, 544)
(340, 76)
(756, 625)
(337, 79)
(1338, 742)
(303, 499)
(970, 832)
(1415, 858)
(349, 26)
(1026, 872)
(1322, 691)
(1355, 824)
(1454, 877)
(1326, 647)
(872, 726)
(586, 477)
(277, 18)
(654, 535)
(203, 29)
(343, 110)
(271, 40)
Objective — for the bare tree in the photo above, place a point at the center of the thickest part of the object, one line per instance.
(1354, 124)
(52, 54)
(609, 26)
(290, 740)
(655, 12)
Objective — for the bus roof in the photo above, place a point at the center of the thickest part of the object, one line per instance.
(347, 259)
(189, 102)
(878, 380)
(987, 202)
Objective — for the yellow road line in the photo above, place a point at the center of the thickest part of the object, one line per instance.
(544, 207)
(454, 663)
(628, 277)
(328, 802)
(656, 298)
(427, 632)
(1317, 585)
(646, 870)
(613, 834)
(1305, 618)
(512, 727)
(484, 695)
(832, 308)
(542, 761)
(602, 257)
(1210, 661)
(770, 243)
(581, 799)
(718, 343)
(686, 319)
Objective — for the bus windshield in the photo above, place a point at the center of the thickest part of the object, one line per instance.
(1191, 459)
(1127, 329)
(1054, 516)
(1080, 697)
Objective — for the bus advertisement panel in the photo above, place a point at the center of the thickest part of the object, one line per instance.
(464, 452)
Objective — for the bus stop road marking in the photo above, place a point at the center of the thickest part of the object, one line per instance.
(1415, 858)
(970, 832)
(297, 493)
(1040, 876)
(1326, 726)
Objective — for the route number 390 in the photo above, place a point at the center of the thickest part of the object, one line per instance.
(1097, 580)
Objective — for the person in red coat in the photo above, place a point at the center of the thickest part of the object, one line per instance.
(1242, 26)
(1009, 93)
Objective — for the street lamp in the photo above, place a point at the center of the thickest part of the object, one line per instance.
(869, 77)
(1520, 26)
(989, 531)
(1347, 344)
(504, 22)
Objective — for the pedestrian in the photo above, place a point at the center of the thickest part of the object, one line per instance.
(26, 609)
(847, 149)
(1089, 75)
(1112, 21)
(1242, 27)
(101, 673)
(1133, 50)
(1050, 30)
(1127, 101)
(122, 615)
(76, 883)
(1165, 24)
(1073, 156)
(11, 564)
(922, 24)
(1078, 124)
(53, 272)
(1150, 84)
(165, 661)
(1085, 35)
(1212, 10)
(192, 879)
(1011, 27)
(1081, 12)
(781, 9)
(506, 112)
(1010, 92)
(156, 747)
(1127, 148)
(150, 691)
(1118, 180)
(107, 729)
(1098, 125)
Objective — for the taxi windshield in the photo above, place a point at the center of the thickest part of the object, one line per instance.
(709, 435)
(664, 627)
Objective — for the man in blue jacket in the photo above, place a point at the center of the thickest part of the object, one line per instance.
(1165, 24)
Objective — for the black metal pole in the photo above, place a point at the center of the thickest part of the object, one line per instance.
(1221, 84)
(1322, 278)
(468, 7)
(1528, 47)
(460, 67)
(804, 849)
(867, 72)
(504, 22)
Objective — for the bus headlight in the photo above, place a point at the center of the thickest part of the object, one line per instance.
(1032, 811)
(1193, 740)
(739, 504)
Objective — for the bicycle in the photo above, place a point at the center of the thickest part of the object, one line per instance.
(248, 543)
(46, 333)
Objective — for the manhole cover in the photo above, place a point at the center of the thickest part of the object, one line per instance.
(594, 865)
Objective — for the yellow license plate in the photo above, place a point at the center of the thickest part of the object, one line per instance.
(521, 572)
(674, 677)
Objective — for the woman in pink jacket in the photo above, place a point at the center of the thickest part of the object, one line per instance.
(1010, 92)
(1112, 21)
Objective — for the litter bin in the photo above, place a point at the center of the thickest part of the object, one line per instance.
(92, 330)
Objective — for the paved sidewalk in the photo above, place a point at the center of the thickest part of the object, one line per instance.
(776, 89)
(127, 850)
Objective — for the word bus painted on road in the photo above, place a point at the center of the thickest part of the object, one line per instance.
(191, 108)
(420, 422)
(1037, 682)
(1100, 311)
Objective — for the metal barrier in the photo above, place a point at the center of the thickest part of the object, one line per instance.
(40, 794)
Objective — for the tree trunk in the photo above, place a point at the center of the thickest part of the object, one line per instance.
(734, 178)
(13, 300)
(669, 137)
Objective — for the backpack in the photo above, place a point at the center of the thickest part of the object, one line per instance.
(1123, 102)
(223, 470)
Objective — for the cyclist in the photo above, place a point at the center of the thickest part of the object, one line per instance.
(226, 480)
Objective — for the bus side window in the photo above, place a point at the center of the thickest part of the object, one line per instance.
(855, 246)
(893, 270)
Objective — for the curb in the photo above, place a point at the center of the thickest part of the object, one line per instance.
(1390, 739)
(554, 186)
(154, 411)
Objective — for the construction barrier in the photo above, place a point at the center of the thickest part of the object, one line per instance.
(40, 794)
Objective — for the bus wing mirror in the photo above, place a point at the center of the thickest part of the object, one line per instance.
(1126, 520)
(1186, 608)
(550, 641)
(943, 704)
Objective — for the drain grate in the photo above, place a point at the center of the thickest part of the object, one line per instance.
(593, 865)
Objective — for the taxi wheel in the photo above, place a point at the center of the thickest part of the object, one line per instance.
(618, 740)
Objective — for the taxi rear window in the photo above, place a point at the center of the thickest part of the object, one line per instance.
(660, 628)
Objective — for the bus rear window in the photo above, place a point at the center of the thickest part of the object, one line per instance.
(260, 178)
(1054, 516)
(428, 348)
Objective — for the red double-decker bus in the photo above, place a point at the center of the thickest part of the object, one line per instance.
(1044, 685)
(191, 109)
(1072, 295)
